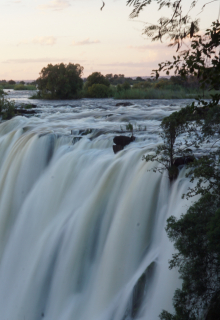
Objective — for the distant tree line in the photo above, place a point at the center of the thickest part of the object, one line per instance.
(64, 81)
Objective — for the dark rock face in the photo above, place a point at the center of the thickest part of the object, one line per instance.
(117, 148)
(140, 290)
(183, 160)
(121, 142)
(124, 104)
(24, 111)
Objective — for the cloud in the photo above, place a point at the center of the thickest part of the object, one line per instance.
(44, 41)
(131, 64)
(85, 42)
(55, 5)
(157, 46)
(47, 41)
(13, 2)
(41, 60)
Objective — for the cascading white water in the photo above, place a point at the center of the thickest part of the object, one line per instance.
(79, 227)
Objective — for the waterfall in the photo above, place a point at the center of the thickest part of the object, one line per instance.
(82, 229)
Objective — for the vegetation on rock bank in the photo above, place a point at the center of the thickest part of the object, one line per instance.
(196, 235)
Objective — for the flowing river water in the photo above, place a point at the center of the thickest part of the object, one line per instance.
(82, 229)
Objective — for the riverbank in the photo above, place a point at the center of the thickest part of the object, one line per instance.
(133, 93)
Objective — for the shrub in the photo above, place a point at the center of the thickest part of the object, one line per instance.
(11, 82)
(98, 91)
(7, 109)
(126, 86)
(142, 85)
(97, 78)
(119, 88)
(24, 87)
(161, 84)
(60, 81)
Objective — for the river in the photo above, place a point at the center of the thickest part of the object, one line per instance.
(82, 230)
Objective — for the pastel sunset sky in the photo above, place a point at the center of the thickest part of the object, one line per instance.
(37, 32)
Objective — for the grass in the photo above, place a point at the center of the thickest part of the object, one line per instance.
(152, 93)
(7, 86)
(169, 92)
(24, 87)
(18, 86)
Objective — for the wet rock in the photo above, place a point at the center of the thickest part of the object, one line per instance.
(76, 139)
(117, 148)
(124, 104)
(20, 111)
(183, 160)
(123, 140)
(140, 290)
(109, 115)
(173, 173)
(33, 106)
(28, 106)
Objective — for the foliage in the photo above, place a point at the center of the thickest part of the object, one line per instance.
(130, 127)
(196, 237)
(97, 78)
(60, 81)
(36, 95)
(11, 82)
(201, 60)
(142, 85)
(173, 126)
(193, 62)
(119, 88)
(7, 86)
(152, 93)
(98, 91)
(7, 109)
(24, 87)
(177, 26)
(196, 234)
(126, 86)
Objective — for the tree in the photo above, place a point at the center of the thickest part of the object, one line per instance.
(138, 79)
(11, 82)
(98, 91)
(196, 234)
(173, 127)
(126, 85)
(97, 78)
(177, 26)
(196, 237)
(60, 81)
